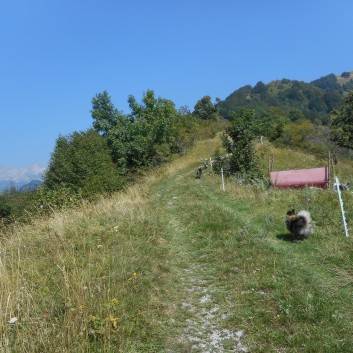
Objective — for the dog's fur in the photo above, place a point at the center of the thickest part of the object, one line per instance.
(299, 224)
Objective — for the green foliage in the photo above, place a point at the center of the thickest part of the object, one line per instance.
(342, 123)
(239, 99)
(155, 126)
(82, 162)
(5, 209)
(237, 140)
(296, 133)
(148, 136)
(295, 115)
(101, 278)
(61, 197)
(204, 109)
(260, 88)
(327, 82)
(17, 206)
(104, 113)
(270, 125)
(332, 98)
(317, 142)
(314, 100)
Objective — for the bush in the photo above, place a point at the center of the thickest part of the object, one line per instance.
(48, 200)
(82, 163)
(238, 142)
(5, 209)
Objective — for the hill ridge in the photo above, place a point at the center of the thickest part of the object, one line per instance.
(315, 99)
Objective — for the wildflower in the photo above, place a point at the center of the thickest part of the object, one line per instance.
(114, 322)
(113, 304)
(133, 277)
(115, 301)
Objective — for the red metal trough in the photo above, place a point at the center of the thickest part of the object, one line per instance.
(299, 178)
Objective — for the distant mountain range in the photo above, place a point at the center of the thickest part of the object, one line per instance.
(31, 186)
(22, 179)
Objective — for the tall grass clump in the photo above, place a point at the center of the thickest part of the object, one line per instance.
(84, 280)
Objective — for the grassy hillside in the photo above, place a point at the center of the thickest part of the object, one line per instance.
(174, 264)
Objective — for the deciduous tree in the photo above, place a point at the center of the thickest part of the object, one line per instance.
(205, 109)
(238, 142)
(82, 161)
(342, 123)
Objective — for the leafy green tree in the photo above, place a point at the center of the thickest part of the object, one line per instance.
(326, 82)
(342, 123)
(238, 142)
(204, 109)
(148, 136)
(103, 112)
(260, 88)
(269, 125)
(82, 162)
(115, 127)
(155, 127)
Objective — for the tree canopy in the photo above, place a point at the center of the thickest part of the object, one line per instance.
(148, 136)
(205, 109)
(342, 123)
(238, 142)
(314, 100)
(82, 162)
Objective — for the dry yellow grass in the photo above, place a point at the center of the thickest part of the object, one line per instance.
(342, 80)
(88, 274)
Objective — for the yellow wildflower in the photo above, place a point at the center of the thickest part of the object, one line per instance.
(114, 322)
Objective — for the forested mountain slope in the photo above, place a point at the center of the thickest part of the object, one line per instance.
(314, 100)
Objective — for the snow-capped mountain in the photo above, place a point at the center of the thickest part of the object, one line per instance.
(13, 177)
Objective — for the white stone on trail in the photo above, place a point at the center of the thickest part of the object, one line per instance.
(204, 299)
(239, 334)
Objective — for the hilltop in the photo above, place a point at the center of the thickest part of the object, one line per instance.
(174, 264)
(345, 77)
(313, 100)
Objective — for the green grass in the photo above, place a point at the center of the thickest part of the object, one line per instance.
(130, 273)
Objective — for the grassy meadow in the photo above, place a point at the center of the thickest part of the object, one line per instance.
(174, 264)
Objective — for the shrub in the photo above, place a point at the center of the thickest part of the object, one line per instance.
(82, 163)
(238, 142)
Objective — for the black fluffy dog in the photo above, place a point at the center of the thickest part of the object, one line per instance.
(299, 224)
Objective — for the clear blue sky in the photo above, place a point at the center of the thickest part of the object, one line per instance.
(57, 54)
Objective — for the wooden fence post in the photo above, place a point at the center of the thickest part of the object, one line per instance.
(223, 188)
